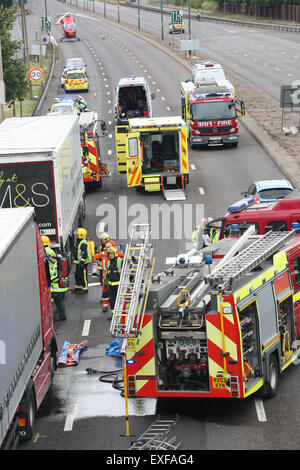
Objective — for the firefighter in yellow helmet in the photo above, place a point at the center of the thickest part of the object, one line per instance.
(82, 258)
(58, 291)
(113, 274)
(105, 238)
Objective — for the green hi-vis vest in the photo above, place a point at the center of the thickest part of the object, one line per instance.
(112, 278)
(88, 259)
(53, 270)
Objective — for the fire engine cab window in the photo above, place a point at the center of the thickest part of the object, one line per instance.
(201, 111)
(276, 226)
(296, 263)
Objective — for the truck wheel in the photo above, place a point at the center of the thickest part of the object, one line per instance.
(28, 413)
(270, 388)
(234, 144)
(53, 363)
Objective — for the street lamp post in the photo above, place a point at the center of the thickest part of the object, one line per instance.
(162, 20)
(139, 16)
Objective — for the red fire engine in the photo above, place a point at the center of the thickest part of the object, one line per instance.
(92, 167)
(67, 20)
(278, 215)
(210, 111)
(218, 323)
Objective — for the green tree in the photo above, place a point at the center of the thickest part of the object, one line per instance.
(14, 70)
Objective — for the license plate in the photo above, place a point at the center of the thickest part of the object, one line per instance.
(215, 138)
(219, 382)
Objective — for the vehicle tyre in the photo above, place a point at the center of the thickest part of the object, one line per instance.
(53, 363)
(234, 144)
(270, 388)
(29, 411)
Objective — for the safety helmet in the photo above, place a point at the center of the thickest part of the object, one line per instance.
(81, 233)
(112, 250)
(104, 236)
(45, 240)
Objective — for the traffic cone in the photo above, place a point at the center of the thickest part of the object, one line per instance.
(95, 96)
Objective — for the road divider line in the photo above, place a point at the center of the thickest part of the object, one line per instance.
(193, 166)
(201, 191)
(86, 328)
(260, 410)
(70, 419)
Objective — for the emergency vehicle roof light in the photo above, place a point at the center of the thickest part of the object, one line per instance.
(234, 228)
(208, 259)
(296, 226)
(181, 260)
(240, 205)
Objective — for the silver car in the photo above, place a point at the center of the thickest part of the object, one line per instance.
(72, 64)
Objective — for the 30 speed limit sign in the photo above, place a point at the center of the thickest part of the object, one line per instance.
(36, 74)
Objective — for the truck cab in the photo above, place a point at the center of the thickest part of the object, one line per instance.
(210, 111)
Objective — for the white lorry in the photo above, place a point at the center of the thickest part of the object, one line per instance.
(28, 343)
(40, 166)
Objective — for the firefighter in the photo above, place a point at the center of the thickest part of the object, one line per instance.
(102, 260)
(199, 236)
(214, 233)
(57, 292)
(113, 274)
(82, 258)
(104, 239)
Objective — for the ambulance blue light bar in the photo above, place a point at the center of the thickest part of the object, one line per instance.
(240, 205)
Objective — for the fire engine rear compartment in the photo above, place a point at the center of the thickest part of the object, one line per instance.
(161, 153)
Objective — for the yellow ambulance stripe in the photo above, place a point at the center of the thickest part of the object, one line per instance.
(184, 154)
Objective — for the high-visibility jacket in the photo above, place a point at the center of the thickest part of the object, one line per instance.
(214, 235)
(113, 272)
(53, 270)
(83, 252)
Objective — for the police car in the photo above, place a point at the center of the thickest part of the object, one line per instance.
(63, 106)
(76, 80)
(268, 190)
(71, 64)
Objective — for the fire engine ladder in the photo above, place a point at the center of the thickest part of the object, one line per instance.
(156, 437)
(251, 257)
(134, 283)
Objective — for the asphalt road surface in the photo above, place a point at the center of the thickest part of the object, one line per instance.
(82, 412)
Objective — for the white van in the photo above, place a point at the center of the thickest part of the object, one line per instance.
(207, 71)
(132, 99)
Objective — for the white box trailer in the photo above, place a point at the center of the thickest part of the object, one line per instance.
(26, 329)
(40, 166)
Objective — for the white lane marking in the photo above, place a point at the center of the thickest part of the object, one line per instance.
(201, 191)
(193, 166)
(109, 152)
(101, 227)
(261, 415)
(86, 328)
(163, 98)
(70, 418)
(93, 284)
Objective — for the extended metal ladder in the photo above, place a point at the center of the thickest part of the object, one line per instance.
(133, 284)
(156, 437)
(248, 259)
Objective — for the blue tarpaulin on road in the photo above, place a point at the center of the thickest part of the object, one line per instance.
(114, 348)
